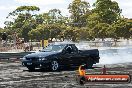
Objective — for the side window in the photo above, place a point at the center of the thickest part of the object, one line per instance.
(74, 48)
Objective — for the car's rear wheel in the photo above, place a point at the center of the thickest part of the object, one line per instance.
(89, 63)
(54, 65)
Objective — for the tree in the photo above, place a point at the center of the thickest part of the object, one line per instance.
(53, 22)
(101, 30)
(105, 13)
(55, 15)
(52, 17)
(75, 34)
(79, 12)
(1, 31)
(46, 31)
(35, 35)
(56, 30)
(121, 29)
(129, 21)
(92, 20)
(70, 34)
(107, 10)
(41, 32)
(23, 20)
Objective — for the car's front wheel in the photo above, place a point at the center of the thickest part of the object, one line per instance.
(54, 65)
(31, 69)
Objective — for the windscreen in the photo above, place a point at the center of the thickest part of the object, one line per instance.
(53, 48)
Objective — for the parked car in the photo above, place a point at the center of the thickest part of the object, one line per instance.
(59, 56)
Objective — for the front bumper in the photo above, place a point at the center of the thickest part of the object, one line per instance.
(36, 64)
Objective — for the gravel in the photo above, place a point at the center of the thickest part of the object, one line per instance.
(14, 75)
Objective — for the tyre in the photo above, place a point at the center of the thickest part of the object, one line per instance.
(31, 69)
(81, 80)
(89, 63)
(54, 65)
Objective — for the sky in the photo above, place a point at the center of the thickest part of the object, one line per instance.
(7, 6)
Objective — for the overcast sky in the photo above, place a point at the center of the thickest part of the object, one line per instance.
(7, 6)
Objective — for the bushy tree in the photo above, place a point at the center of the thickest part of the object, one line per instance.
(47, 31)
(121, 29)
(107, 10)
(23, 20)
(79, 11)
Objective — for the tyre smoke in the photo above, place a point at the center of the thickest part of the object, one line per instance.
(113, 56)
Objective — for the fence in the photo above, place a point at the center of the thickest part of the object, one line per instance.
(8, 55)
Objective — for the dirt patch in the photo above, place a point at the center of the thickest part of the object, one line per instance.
(14, 75)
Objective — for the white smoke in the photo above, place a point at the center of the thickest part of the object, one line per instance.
(112, 57)
(83, 45)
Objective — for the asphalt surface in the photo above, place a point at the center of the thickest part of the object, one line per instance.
(14, 75)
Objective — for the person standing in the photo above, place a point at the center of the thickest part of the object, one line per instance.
(81, 70)
(4, 39)
(82, 74)
(14, 39)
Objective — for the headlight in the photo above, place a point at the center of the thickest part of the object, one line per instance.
(23, 58)
(42, 59)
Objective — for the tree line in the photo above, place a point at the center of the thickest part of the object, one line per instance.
(103, 21)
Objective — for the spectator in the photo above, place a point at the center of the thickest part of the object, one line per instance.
(22, 43)
(82, 70)
(4, 36)
(4, 39)
(14, 39)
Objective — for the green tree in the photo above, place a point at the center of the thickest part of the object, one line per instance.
(73, 33)
(41, 32)
(105, 13)
(46, 31)
(1, 31)
(107, 10)
(23, 20)
(52, 17)
(121, 29)
(92, 20)
(129, 21)
(35, 35)
(101, 30)
(56, 30)
(79, 11)
(55, 15)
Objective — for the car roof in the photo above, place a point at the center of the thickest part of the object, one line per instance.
(62, 44)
